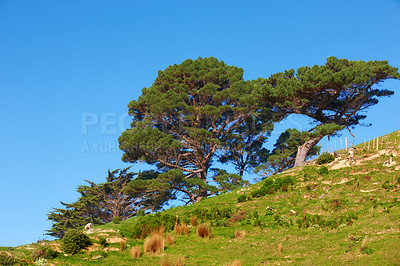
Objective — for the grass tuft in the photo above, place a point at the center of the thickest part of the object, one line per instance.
(136, 252)
(154, 244)
(193, 220)
(181, 229)
(203, 231)
(170, 239)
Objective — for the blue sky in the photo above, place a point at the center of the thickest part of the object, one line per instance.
(68, 69)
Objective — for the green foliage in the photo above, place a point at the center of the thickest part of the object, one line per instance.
(146, 224)
(213, 214)
(323, 170)
(74, 241)
(6, 259)
(123, 194)
(325, 158)
(191, 112)
(45, 252)
(270, 186)
(103, 241)
(242, 198)
(334, 95)
(285, 151)
(116, 220)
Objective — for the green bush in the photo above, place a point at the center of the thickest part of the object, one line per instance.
(103, 241)
(75, 240)
(116, 220)
(242, 198)
(270, 186)
(43, 252)
(325, 158)
(146, 224)
(323, 170)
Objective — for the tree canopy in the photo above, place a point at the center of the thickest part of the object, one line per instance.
(100, 203)
(182, 120)
(334, 95)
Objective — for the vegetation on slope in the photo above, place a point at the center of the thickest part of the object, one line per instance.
(342, 212)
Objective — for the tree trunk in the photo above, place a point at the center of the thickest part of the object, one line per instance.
(303, 150)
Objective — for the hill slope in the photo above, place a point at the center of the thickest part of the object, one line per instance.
(347, 213)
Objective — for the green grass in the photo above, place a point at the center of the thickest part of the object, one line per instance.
(340, 207)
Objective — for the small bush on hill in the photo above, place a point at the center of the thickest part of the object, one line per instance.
(43, 252)
(325, 158)
(146, 224)
(270, 186)
(213, 214)
(242, 198)
(116, 220)
(323, 170)
(75, 240)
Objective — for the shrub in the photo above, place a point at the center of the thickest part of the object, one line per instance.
(325, 158)
(242, 198)
(140, 213)
(172, 260)
(170, 239)
(323, 170)
(116, 220)
(103, 241)
(136, 252)
(154, 244)
(74, 240)
(203, 230)
(146, 224)
(213, 214)
(181, 229)
(41, 261)
(44, 252)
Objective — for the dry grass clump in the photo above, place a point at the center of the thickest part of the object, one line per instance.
(203, 231)
(172, 261)
(181, 229)
(170, 239)
(239, 234)
(239, 216)
(193, 221)
(154, 243)
(122, 245)
(136, 252)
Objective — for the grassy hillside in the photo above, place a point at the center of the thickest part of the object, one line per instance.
(347, 213)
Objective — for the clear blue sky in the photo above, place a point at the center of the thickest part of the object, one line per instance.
(69, 68)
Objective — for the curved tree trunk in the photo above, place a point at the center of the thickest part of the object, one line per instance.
(303, 150)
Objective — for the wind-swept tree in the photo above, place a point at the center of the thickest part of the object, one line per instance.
(284, 153)
(100, 203)
(333, 95)
(181, 121)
